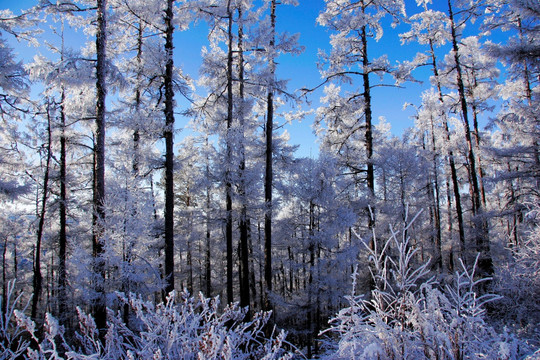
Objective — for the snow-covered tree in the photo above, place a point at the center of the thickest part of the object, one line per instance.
(347, 113)
(14, 92)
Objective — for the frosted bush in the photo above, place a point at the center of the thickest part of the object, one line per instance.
(11, 343)
(519, 281)
(409, 316)
(193, 329)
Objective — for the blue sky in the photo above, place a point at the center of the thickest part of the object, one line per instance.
(302, 70)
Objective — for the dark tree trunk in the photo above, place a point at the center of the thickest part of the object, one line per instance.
(435, 194)
(38, 278)
(268, 175)
(228, 185)
(252, 280)
(485, 262)
(169, 149)
(311, 250)
(451, 161)
(189, 260)
(62, 240)
(136, 134)
(457, 195)
(244, 230)
(465, 113)
(262, 295)
(208, 262)
(476, 134)
(512, 226)
(370, 173)
(99, 306)
(368, 116)
(4, 278)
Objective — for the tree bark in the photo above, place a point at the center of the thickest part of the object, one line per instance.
(368, 116)
(228, 185)
(244, 229)
(62, 237)
(169, 149)
(436, 199)
(99, 306)
(4, 278)
(476, 134)
(38, 278)
(208, 253)
(136, 134)
(268, 175)
(311, 250)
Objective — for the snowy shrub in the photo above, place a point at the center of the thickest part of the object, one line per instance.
(193, 329)
(11, 343)
(518, 281)
(407, 316)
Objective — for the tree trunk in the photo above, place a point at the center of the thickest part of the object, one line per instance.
(38, 278)
(311, 250)
(476, 134)
(136, 134)
(127, 253)
(451, 161)
(529, 96)
(370, 174)
(62, 241)
(244, 230)
(4, 278)
(99, 306)
(485, 262)
(268, 175)
(432, 188)
(368, 116)
(262, 295)
(228, 185)
(169, 149)
(208, 262)
(252, 281)
(435, 194)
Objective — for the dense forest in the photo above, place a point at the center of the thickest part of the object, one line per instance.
(151, 213)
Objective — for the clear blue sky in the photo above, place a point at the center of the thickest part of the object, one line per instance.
(301, 70)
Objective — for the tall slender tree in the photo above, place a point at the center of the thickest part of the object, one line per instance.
(99, 306)
(485, 263)
(348, 115)
(37, 281)
(62, 209)
(431, 28)
(228, 135)
(244, 221)
(168, 134)
(268, 174)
